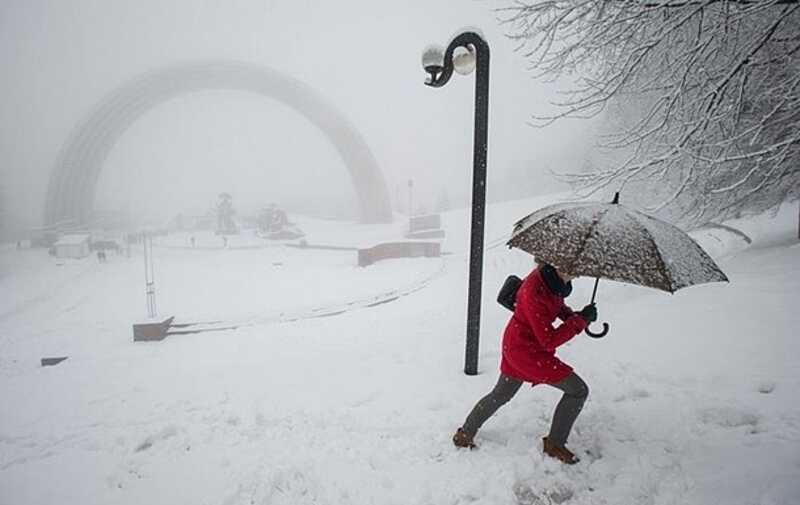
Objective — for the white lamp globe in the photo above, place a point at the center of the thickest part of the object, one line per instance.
(433, 57)
(464, 60)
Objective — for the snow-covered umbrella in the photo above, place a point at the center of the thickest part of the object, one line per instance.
(614, 242)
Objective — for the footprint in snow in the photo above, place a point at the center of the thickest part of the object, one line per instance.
(593, 452)
(766, 387)
(147, 443)
(729, 417)
(633, 395)
(365, 400)
(525, 495)
(291, 485)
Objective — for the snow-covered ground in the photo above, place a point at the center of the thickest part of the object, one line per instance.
(693, 395)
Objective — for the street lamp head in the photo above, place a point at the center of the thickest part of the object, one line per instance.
(433, 61)
(464, 59)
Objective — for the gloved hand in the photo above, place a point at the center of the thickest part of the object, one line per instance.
(589, 313)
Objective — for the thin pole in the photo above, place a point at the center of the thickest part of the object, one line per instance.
(439, 76)
(594, 292)
(149, 275)
(144, 250)
(615, 201)
(146, 276)
(410, 198)
(479, 152)
(152, 278)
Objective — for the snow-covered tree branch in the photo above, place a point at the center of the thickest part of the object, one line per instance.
(703, 96)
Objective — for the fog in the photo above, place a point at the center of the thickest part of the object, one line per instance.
(60, 59)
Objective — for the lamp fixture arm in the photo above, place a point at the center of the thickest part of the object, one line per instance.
(466, 40)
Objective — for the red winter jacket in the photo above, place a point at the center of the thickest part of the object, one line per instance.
(530, 340)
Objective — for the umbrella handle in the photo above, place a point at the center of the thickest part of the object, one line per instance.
(600, 334)
(594, 293)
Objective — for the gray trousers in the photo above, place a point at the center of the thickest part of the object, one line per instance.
(567, 410)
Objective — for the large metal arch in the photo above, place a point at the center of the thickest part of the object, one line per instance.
(70, 193)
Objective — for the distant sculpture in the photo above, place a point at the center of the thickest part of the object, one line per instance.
(279, 220)
(264, 219)
(225, 213)
(274, 224)
(272, 219)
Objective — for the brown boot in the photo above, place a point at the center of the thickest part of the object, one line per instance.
(559, 452)
(463, 439)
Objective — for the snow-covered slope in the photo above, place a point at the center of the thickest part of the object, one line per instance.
(693, 395)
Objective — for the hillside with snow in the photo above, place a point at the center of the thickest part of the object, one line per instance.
(693, 395)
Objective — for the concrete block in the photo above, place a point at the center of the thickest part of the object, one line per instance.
(425, 222)
(151, 331)
(53, 361)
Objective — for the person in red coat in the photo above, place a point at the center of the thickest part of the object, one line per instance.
(529, 355)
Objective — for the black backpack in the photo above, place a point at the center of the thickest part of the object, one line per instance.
(508, 293)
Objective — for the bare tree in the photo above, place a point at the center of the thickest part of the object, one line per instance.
(704, 96)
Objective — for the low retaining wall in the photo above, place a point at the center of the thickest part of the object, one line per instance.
(398, 250)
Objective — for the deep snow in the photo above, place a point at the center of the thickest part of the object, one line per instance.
(693, 395)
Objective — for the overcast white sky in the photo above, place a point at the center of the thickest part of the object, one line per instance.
(59, 58)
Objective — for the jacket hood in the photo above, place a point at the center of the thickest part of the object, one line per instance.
(554, 282)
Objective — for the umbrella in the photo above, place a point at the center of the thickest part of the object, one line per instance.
(612, 241)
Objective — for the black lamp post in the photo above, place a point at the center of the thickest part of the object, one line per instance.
(465, 52)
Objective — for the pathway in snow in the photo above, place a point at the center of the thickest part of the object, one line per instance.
(327, 310)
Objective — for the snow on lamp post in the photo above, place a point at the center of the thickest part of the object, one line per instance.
(466, 52)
